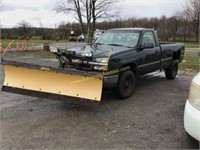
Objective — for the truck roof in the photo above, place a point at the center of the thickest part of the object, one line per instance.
(135, 29)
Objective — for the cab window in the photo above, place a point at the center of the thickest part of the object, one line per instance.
(148, 37)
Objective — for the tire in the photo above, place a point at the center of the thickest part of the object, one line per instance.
(171, 72)
(125, 85)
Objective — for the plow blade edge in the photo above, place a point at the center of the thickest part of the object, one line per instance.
(45, 81)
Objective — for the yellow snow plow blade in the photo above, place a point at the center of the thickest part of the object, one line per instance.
(38, 80)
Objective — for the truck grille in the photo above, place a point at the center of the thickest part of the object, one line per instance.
(82, 63)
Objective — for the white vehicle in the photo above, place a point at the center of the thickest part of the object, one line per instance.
(81, 38)
(192, 110)
(98, 33)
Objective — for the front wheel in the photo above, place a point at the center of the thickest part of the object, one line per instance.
(125, 85)
(171, 72)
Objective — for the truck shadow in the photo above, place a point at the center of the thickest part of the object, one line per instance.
(144, 82)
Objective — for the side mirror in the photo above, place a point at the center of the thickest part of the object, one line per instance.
(147, 45)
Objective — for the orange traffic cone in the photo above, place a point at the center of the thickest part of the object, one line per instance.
(23, 45)
(32, 44)
(17, 46)
(1, 48)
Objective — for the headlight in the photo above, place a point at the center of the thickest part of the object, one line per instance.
(86, 54)
(101, 60)
(53, 49)
(194, 94)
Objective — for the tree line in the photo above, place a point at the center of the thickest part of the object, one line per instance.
(183, 26)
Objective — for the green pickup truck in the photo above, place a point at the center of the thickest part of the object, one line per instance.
(124, 54)
(115, 60)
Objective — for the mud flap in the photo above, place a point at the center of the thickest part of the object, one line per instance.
(49, 81)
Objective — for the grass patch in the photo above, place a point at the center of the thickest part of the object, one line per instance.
(14, 44)
(193, 46)
(29, 42)
(191, 63)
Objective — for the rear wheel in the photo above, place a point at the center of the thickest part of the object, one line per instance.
(125, 85)
(171, 72)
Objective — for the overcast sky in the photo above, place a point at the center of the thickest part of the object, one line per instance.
(36, 11)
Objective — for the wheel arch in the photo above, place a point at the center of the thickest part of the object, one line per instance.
(133, 67)
(177, 55)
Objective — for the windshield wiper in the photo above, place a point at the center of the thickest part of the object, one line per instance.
(116, 44)
(95, 45)
(99, 43)
(120, 45)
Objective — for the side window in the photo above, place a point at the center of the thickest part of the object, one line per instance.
(148, 37)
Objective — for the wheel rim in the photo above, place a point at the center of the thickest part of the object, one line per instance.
(127, 85)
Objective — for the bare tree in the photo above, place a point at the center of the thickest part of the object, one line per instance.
(184, 28)
(24, 28)
(87, 10)
(62, 30)
(71, 6)
(42, 31)
(163, 28)
(192, 11)
(174, 23)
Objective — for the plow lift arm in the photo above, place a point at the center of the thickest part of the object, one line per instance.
(75, 86)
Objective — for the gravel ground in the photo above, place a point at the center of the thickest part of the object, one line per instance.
(151, 119)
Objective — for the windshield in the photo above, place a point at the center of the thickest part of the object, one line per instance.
(119, 38)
